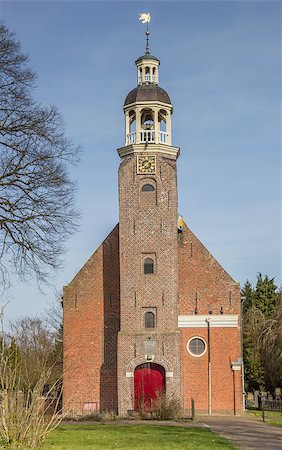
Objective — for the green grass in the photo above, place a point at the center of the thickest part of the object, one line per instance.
(137, 437)
(270, 417)
(276, 423)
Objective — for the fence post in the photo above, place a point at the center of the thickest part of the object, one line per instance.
(193, 408)
(262, 410)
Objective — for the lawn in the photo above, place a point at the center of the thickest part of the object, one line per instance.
(270, 417)
(276, 423)
(137, 437)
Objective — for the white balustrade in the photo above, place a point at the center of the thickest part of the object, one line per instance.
(131, 138)
(163, 137)
(147, 78)
(147, 136)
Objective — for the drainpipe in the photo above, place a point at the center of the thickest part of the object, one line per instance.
(209, 369)
(242, 352)
(234, 394)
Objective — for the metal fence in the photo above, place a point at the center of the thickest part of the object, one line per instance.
(271, 405)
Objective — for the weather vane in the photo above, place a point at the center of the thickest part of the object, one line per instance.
(146, 18)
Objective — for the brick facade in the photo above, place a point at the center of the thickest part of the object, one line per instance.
(188, 293)
(206, 288)
(91, 324)
(148, 228)
(92, 321)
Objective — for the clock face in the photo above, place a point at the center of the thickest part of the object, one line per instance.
(146, 164)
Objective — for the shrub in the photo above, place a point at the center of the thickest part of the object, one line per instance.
(26, 415)
(165, 408)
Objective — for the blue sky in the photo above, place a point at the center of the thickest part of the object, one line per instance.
(220, 64)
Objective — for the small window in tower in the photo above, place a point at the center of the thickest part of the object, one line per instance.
(154, 75)
(147, 74)
(140, 75)
(148, 266)
(196, 346)
(148, 188)
(149, 320)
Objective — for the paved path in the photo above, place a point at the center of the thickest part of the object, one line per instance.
(246, 433)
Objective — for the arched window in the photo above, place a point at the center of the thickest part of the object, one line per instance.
(147, 188)
(149, 320)
(154, 75)
(140, 75)
(148, 266)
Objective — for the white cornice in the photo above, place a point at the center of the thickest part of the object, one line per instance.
(215, 321)
(143, 103)
(150, 148)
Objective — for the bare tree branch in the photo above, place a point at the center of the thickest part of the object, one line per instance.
(37, 212)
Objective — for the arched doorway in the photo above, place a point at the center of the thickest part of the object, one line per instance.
(149, 384)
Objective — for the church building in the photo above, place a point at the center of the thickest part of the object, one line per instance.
(151, 312)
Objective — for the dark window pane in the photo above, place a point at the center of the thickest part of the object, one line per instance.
(149, 320)
(147, 188)
(197, 346)
(148, 266)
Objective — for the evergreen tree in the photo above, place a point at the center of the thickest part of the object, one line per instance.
(265, 295)
(247, 297)
(261, 334)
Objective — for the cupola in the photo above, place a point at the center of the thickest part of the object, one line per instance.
(147, 107)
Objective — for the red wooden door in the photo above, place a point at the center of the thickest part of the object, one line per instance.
(149, 384)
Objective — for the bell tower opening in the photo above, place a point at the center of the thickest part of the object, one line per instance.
(131, 135)
(147, 126)
(163, 122)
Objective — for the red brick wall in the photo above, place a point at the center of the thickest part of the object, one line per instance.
(224, 349)
(91, 323)
(204, 284)
(202, 280)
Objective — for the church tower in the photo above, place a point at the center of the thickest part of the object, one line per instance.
(151, 312)
(149, 338)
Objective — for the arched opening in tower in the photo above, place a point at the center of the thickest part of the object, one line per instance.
(147, 126)
(140, 78)
(149, 385)
(147, 75)
(163, 125)
(131, 138)
(154, 75)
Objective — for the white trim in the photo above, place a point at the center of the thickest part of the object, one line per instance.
(129, 374)
(235, 367)
(148, 103)
(216, 321)
(151, 147)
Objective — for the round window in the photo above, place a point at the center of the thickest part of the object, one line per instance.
(196, 346)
